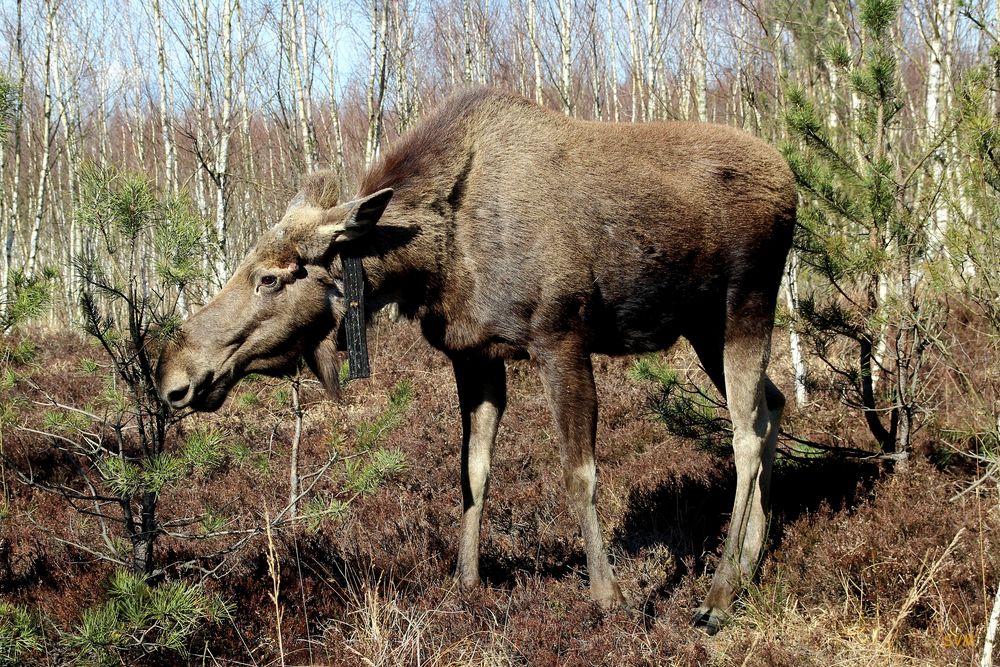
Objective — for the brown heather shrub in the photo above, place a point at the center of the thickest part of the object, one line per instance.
(374, 587)
(865, 560)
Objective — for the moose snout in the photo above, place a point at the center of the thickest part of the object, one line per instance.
(178, 396)
(179, 388)
(175, 389)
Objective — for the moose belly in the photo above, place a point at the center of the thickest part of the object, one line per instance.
(647, 316)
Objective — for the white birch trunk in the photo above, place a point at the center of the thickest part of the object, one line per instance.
(296, 45)
(246, 118)
(6, 218)
(46, 138)
(223, 135)
(521, 61)
(198, 41)
(467, 57)
(402, 64)
(986, 660)
(376, 80)
(832, 119)
(991, 632)
(10, 231)
(340, 162)
(306, 69)
(596, 80)
(700, 65)
(613, 56)
(792, 301)
(482, 38)
(881, 344)
(740, 20)
(938, 66)
(72, 128)
(104, 134)
(855, 101)
(137, 125)
(636, 60)
(996, 73)
(450, 59)
(166, 126)
(653, 100)
(566, 56)
(536, 50)
(339, 151)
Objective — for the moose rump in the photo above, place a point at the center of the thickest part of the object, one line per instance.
(511, 231)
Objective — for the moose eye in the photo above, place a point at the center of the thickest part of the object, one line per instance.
(268, 280)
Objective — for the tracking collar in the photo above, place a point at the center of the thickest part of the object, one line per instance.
(354, 319)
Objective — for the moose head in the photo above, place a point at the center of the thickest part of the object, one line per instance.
(285, 301)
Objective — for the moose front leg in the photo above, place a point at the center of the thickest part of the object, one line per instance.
(568, 378)
(482, 396)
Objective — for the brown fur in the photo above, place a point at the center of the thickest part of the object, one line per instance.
(514, 232)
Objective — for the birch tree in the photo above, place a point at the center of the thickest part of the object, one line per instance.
(66, 80)
(378, 59)
(46, 139)
(942, 20)
(196, 47)
(223, 130)
(566, 57)
(468, 58)
(164, 102)
(653, 61)
(295, 36)
(596, 44)
(249, 161)
(792, 301)
(636, 65)
(330, 48)
(613, 62)
(536, 49)
(404, 67)
(12, 96)
(699, 57)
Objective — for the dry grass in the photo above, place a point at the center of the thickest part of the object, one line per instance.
(864, 569)
(382, 629)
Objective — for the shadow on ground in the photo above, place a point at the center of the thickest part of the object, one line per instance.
(690, 517)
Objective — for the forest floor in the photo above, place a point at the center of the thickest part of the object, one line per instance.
(864, 567)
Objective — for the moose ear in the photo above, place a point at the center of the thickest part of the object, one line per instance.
(354, 218)
(323, 363)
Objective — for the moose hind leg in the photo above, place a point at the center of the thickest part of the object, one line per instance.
(482, 397)
(568, 378)
(755, 406)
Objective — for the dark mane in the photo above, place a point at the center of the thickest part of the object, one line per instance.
(419, 152)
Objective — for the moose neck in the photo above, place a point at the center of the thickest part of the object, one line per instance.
(401, 261)
(409, 254)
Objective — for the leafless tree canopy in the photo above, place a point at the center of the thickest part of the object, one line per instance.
(233, 101)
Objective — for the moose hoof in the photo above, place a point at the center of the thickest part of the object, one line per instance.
(709, 620)
(467, 582)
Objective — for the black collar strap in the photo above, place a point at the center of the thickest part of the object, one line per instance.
(354, 318)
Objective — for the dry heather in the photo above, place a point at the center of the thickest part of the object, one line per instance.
(864, 568)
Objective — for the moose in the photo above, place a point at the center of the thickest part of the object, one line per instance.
(510, 231)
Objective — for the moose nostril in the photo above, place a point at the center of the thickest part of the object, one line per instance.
(177, 395)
